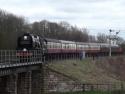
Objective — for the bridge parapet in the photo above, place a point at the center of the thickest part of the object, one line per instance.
(18, 56)
(21, 72)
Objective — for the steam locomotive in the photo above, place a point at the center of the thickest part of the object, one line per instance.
(53, 47)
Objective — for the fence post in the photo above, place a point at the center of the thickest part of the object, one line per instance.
(83, 87)
(122, 87)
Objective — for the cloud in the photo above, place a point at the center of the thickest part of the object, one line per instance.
(87, 13)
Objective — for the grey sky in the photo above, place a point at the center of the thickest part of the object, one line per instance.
(96, 15)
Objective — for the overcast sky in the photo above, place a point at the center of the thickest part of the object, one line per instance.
(96, 15)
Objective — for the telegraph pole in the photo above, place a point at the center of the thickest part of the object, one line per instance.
(110, 49)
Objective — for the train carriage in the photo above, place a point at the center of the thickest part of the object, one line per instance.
(68, 46)
(54, 47)
(87, 47)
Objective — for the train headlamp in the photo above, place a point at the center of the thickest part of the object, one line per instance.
(25, 37)
(24, 49)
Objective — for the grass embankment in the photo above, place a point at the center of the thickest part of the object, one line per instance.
(86, 71)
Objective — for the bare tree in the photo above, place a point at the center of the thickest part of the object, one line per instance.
(11, 27)
(102, 38)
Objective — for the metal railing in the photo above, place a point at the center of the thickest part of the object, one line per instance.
(17, 56)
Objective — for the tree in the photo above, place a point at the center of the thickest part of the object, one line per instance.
(62, 31)
(11, 27)
(120, 40)
(92, 38)
(102, 38)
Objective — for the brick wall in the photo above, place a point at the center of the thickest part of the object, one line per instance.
(57, 82)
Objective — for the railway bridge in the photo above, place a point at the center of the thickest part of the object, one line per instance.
(21, 74)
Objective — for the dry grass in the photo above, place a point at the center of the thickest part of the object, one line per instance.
(87, 71)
